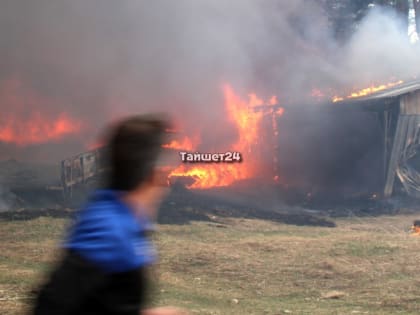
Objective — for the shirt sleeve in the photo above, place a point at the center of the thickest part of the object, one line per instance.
(111, 240)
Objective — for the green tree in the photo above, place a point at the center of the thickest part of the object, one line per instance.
(345, 15)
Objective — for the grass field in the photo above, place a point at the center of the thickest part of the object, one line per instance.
(242, 266)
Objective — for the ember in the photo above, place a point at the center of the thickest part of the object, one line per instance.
(415, 228)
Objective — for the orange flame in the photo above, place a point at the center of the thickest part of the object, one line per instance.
(95, 145)
(317, 93)
(37, 129)
(273, 100)
(184, 144)
(246, 121)
(280, 111)
(30, 118)
(367, 91)
(415, 230)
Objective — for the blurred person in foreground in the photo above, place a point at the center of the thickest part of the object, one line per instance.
(103, 270)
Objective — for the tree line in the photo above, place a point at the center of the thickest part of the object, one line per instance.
(345, 15)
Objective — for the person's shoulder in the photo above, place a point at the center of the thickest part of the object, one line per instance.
(99, 235)
(103, 213)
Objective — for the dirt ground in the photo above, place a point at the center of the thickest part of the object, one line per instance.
(232, 265)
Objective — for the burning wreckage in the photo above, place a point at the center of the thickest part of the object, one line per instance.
(363, 143)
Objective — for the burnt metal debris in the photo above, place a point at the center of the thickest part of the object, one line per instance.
(87, 169)
(82, 169)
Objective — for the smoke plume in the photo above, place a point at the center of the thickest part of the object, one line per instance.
(94, 61)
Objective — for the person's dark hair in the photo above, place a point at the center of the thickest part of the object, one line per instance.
(133, 147)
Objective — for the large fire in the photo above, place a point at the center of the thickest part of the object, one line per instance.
(241, 113)
(28, 117)
(37, 129)
(247, 116)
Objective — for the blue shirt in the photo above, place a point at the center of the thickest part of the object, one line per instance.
(109, 234)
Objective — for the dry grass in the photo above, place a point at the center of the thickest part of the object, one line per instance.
(250, 266)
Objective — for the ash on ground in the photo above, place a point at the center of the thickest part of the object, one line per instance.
(25, 194)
